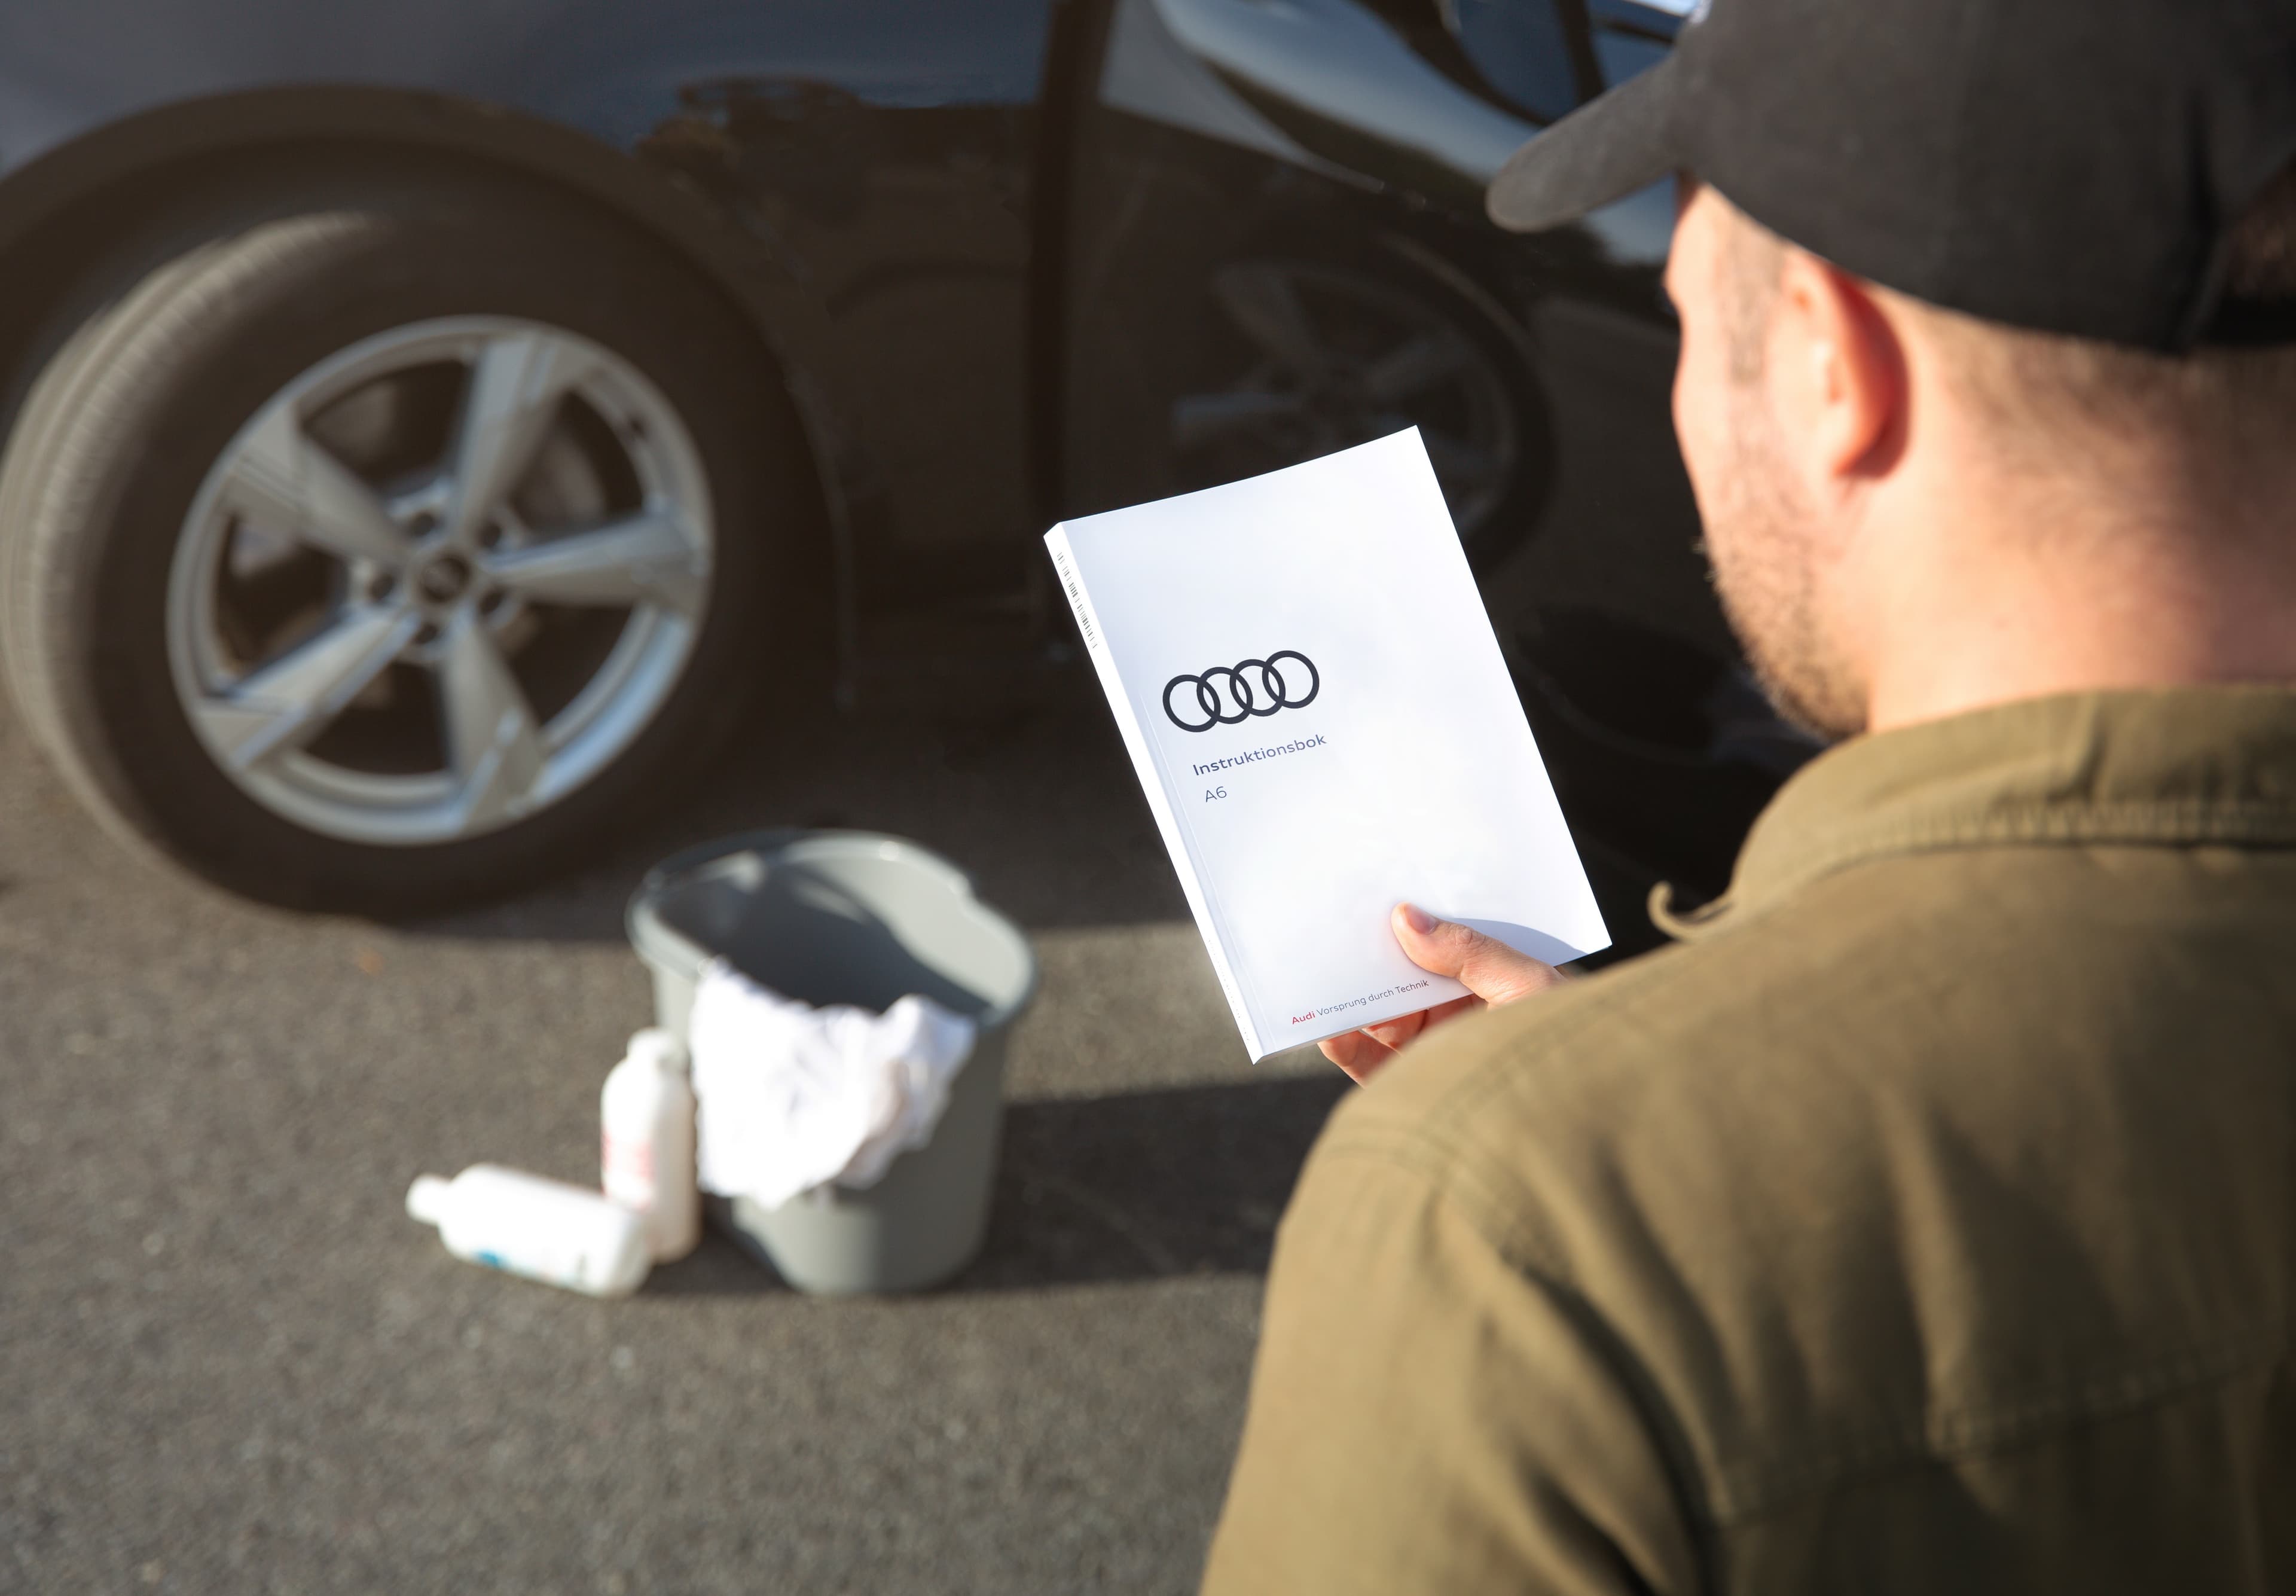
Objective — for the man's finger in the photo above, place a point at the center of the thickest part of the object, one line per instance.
(1485, 966)
(1396, 1032)
(1359, 1056)
(1453, 1010)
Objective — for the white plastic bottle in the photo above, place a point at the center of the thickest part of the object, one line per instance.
(645, 1144)
(544, 1229)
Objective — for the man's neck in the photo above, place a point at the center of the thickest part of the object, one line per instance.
(1993, 612)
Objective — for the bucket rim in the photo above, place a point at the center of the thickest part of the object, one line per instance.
(656, 942)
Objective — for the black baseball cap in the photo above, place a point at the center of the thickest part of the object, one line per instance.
(2069, 166)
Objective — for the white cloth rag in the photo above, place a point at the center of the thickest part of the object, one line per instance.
(790, 1096)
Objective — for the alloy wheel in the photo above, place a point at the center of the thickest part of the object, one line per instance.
(1334, 357)
(440, 581)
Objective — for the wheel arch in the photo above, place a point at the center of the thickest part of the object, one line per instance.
(62, 212)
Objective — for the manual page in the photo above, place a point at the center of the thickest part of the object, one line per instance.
(1306, 678)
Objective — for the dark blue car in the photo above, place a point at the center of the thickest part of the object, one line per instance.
(429, 426)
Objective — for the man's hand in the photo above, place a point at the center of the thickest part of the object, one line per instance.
(1492, 974)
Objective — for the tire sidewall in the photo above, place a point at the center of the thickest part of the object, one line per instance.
(371, 270)
(1514, 519)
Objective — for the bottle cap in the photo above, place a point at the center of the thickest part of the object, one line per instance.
(426, 1199)
(658, 1047)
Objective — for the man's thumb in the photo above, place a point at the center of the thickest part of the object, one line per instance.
(1485, 966)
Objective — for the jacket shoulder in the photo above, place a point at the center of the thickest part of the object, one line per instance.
(1842, 1177)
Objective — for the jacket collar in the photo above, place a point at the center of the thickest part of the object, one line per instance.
(2161, 766)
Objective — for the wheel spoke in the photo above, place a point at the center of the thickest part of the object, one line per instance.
(515, 386)
(291, 700)
(1264, 305)
(1201, 418)
(648, 558)
(279, 477)
(1419, 363)
(493, 745)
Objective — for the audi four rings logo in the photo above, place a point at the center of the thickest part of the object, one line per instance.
(1228, 694)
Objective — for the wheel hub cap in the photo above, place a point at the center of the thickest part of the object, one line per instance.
(440, 580)
(444, 579)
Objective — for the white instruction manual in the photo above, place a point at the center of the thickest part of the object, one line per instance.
(1307, 680)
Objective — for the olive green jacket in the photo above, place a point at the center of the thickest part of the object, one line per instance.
(1925, 1221)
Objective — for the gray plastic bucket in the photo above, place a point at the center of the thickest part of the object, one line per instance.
(846, 917)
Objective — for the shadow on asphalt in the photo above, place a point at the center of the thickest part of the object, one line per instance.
(1037, 801)
(1135, 1186)
(1040, 807)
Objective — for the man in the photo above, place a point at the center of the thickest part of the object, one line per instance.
(1926, 1221)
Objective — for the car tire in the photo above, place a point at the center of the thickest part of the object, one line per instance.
(218, 309)
(1317, 331)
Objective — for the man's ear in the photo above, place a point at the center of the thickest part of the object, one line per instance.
(1839, 373)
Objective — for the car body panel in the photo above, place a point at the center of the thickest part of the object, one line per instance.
(849, 168)
(1334, 131)
(998, 247)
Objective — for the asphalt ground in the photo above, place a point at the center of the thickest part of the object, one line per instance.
(230, 1363)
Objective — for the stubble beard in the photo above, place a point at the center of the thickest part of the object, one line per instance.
(1762, 549)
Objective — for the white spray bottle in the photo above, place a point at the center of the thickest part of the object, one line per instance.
(544, 1229)
(645, 1115)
